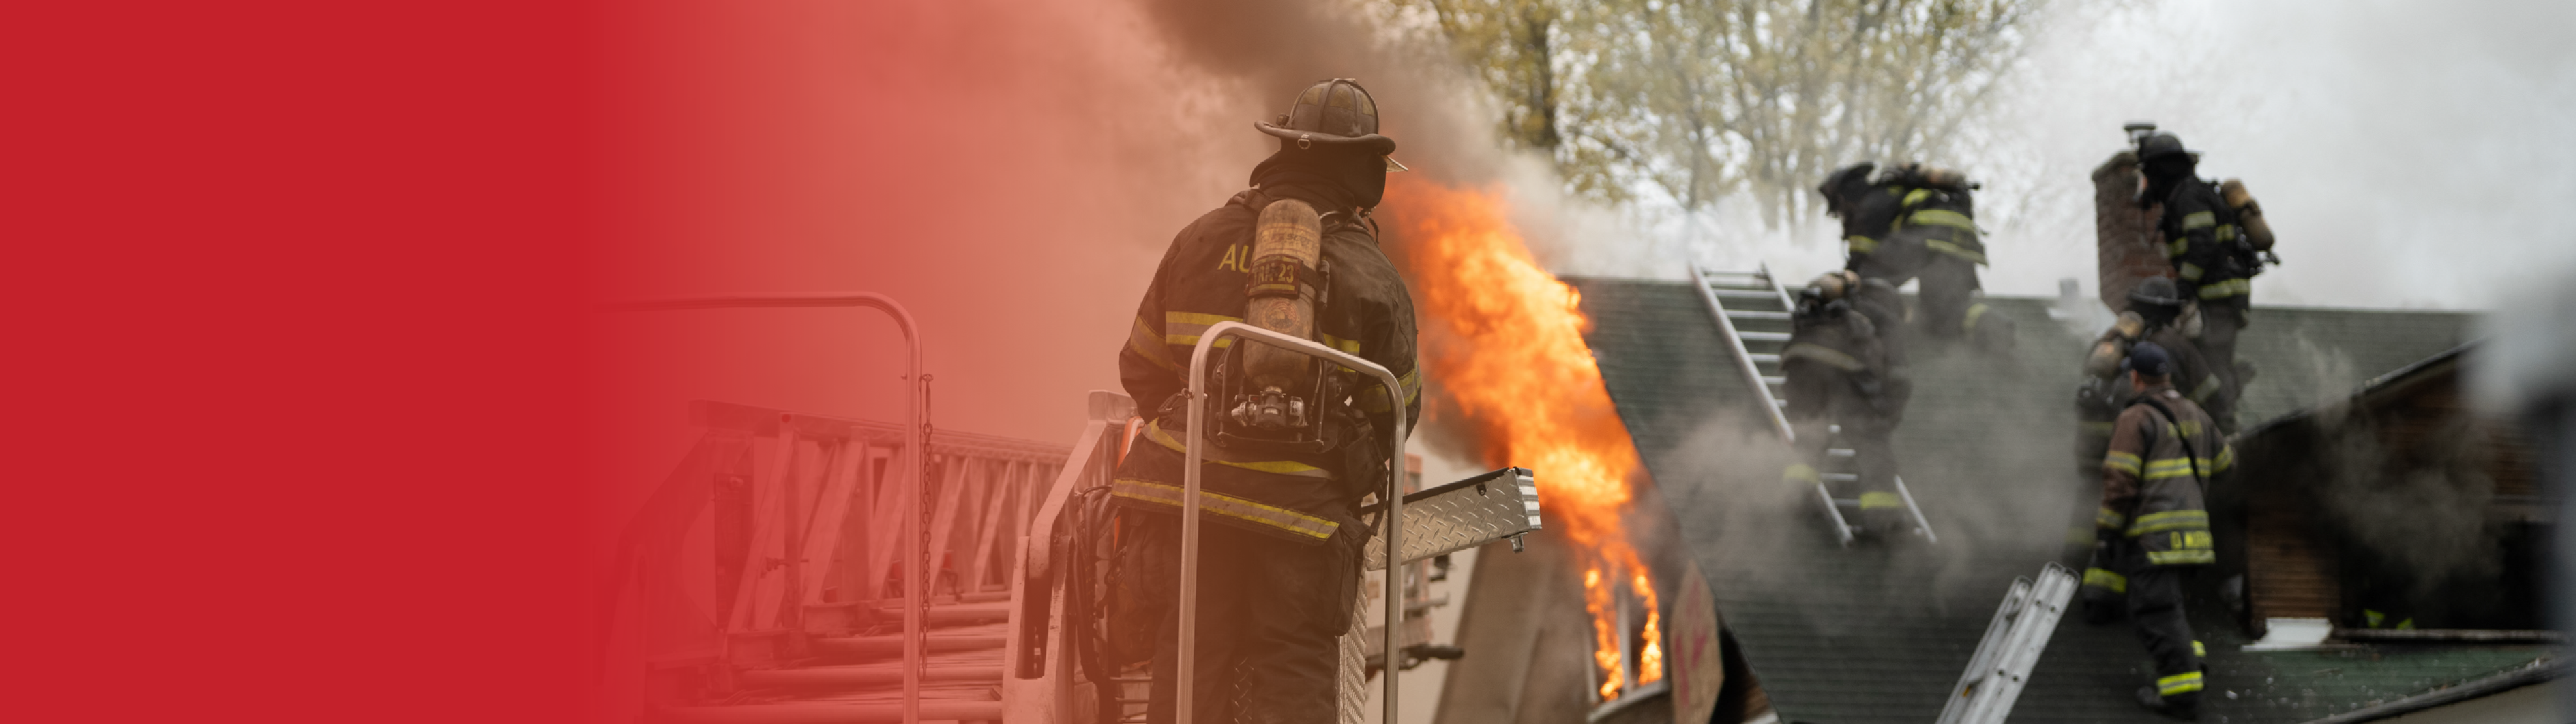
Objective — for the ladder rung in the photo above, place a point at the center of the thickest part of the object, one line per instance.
(1757, 314)
(1842, 477)
(1761, 357)
(1744, 293)
(1764, 336)
(1840, 453)
(1769, 380)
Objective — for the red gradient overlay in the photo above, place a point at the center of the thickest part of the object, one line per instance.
(292, 294)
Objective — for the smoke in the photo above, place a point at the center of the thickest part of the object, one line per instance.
(2422, 509)
(2410, 155)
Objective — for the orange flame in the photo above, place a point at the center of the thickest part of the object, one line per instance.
(1505, 339)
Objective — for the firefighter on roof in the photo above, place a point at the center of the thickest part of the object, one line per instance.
(2153, 307)
(2154, 525)
(1840, 372)
(2216, 238)
(1292, 445)
(1919, 222)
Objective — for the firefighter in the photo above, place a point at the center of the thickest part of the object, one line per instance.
(2154, 523)
(1930, 234)
(1866, 208)
(2154, 306)
(1279, 565)
(1838, 373)
(2213, 255)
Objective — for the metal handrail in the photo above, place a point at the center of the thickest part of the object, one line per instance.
(915, 444)
(1394, 514)
(1743, 359)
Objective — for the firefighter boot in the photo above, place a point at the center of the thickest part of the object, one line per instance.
(2184, 706)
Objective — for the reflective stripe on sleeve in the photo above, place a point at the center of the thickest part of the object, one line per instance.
(2208, 386)
(1972, 255)
(2198, 650)
(1968, 322)
(1917, 196)
(2191, 272)
(1272, 516)
(2108, 518)
(2120, 461)
(1149, 345)
(2105, 579)
(1943, 217)
(2199, 220)
(1861, 244)
(2183, 683)
(2226, 459)
(2176, 248)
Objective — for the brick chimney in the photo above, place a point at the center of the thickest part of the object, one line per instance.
(2128, 249)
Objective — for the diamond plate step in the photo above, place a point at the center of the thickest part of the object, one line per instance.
(1462, 515)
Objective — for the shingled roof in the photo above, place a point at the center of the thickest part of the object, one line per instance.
(1879, 632)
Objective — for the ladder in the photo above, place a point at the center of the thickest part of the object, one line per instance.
(1752, 311)
(2013, 642)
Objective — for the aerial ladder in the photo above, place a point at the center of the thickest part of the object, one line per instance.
(868, 571)
(1752, 310)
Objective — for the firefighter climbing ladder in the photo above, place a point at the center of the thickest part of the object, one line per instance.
(1752, 311)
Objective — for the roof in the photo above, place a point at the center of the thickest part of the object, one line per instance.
(1878, 633)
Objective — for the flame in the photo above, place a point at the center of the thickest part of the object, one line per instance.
(1505, 339)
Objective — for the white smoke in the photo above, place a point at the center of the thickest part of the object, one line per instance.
(2409, 155)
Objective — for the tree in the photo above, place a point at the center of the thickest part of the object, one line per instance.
(1706, 98)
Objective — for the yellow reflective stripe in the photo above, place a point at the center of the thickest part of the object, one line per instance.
(1944, 217)
(1823, 355)
(1149, 345)
(1184, 328)
(1374, 398)
(2120, 461)
(2225, 232)
(2170, 520)
(2406, 625)
(2183, 683)
(2229, 288)
(2177, 248)
(2096, 428)
(1956, 250)
(1969, 322)
(2185, 557)
(1917, 196)
(2372, 618)
(2199, 220)
(2226, 459)
(2191, 272)
(1880, 500)
(2168, 470)
(1861, 244)
(2100, 578)
(1229, 506)
(1351, 346)
(2108, 518)
(2198, 650)
(2208, 386)
(1214, 454)
(1801, 473)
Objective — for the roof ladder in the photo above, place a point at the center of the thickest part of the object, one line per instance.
(1752, 311)
(2004, 658)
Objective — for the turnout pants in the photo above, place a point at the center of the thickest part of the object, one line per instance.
(2156, 615)
(1270, 614)
(1951, 302)
(2219, 324)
